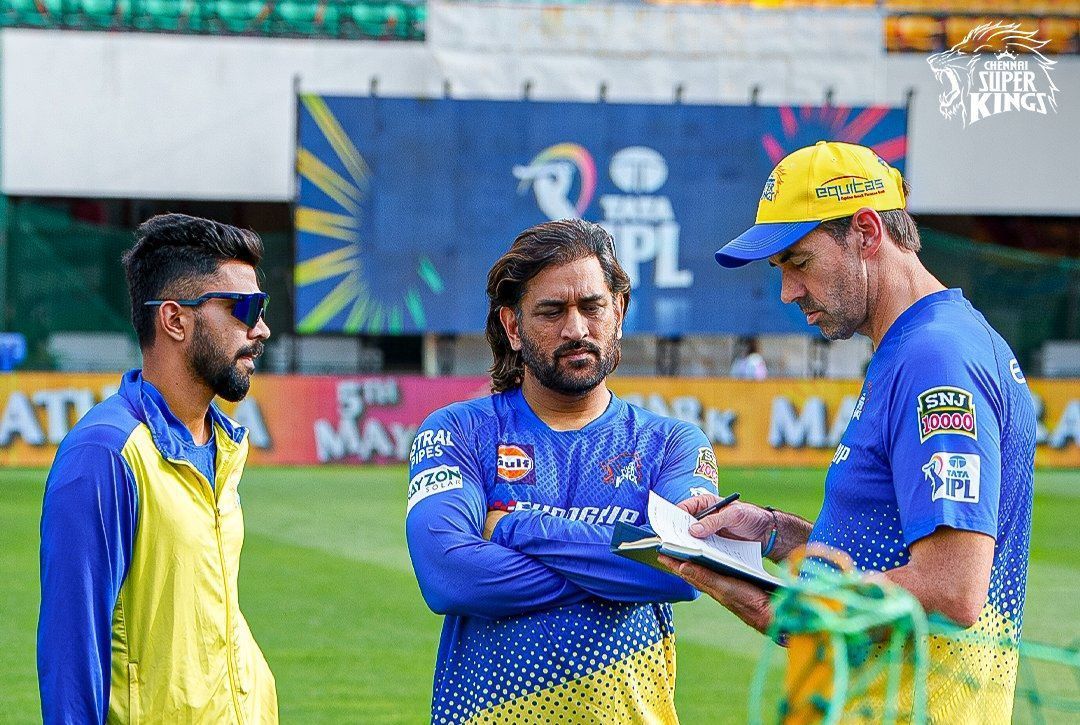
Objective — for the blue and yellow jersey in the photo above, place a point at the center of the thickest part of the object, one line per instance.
(141, 532)
(943, 434)
(543, 623)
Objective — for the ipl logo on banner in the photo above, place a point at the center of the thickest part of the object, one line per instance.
(996, 68)
(641, 221)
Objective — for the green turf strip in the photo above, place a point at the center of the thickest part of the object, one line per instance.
(329, 593)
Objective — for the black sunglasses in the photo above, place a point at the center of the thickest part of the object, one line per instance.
(249, 308)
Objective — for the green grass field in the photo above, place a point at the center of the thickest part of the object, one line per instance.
(327, 587)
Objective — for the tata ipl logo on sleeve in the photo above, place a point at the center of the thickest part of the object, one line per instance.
(995, 69)
(953, 476)
(641, 221)
(946, 409)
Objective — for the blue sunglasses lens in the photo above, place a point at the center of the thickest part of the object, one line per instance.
(250, 308)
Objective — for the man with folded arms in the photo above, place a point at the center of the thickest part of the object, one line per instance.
(513, 499)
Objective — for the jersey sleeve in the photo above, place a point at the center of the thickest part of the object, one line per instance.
(582, 551)
(944, 438)
(458, 571)
(689, 467)
(88, 523)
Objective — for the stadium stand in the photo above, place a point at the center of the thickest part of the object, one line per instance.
(391, 20)
(920, 26)
(920, 33)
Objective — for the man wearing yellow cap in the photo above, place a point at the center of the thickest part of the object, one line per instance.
(931, 485)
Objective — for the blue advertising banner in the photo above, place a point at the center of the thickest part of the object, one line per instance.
(404, 204)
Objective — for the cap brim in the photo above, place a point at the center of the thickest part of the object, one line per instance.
(762, 241)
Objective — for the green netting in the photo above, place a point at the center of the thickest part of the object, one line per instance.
(386, 19)
(859, 651)
(850, 641)
(65, 276)
(1028, 298)
(1047, 684)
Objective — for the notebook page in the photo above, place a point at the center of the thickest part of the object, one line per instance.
(672, 524)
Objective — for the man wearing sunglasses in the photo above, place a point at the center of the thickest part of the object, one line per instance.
(141, 526)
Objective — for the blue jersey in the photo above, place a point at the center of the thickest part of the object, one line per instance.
(943, 434)
(543, 621)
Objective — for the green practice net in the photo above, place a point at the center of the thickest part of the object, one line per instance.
(865, 652)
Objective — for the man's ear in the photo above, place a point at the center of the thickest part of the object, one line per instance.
(172, 321)
(509, 320)
(869, 231)
(621, 303)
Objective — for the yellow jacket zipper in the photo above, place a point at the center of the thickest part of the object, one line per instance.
(232, 666)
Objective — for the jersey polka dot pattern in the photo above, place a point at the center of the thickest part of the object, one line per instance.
(597, 661)
(942, 341)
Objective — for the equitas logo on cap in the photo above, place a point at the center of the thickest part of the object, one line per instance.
(829, 180)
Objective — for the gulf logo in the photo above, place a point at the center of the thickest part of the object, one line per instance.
(515, 463)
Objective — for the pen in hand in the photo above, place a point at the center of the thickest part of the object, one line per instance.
(716, 506)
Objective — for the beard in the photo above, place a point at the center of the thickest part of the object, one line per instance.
(573, 378)
(843, 318)
(218, 369)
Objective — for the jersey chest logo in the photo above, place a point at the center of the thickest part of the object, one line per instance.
(623, 468)
(515, 463)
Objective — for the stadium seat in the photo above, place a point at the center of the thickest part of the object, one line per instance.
(307, 17)
(417, 21)
(385, 19)
(240, 16)
(369, 19)
(396, 20)
(166, 14)
(97, 13)
(31, 12)
(1062, 35)
(914, 33)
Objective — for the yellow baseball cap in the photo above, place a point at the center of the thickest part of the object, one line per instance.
(829, 180)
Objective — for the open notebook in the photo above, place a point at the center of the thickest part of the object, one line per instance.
(739, 559)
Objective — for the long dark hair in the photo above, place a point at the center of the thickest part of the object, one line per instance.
(534, 250)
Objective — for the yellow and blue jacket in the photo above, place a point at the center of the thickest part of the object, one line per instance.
(141, 533)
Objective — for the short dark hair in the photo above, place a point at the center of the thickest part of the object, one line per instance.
(173, 254)
(534, 250)
(898, 223)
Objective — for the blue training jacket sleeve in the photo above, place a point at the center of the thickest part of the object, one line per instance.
(458, 571)
(582, 551)
(88, 522)
(944, 439)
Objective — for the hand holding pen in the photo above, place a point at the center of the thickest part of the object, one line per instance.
(716, 506)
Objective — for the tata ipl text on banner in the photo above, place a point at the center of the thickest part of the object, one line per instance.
(404, 204)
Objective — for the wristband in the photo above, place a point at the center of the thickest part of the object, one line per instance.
(774, 535)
